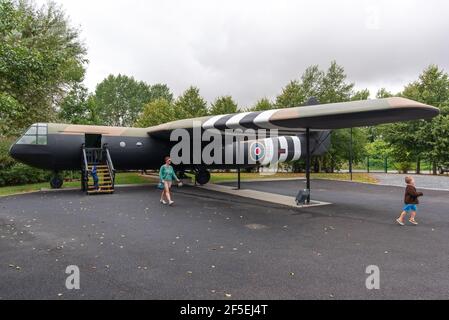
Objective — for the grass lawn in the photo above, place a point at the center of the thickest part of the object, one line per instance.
(120, 178)
(136, 178)
(232, 176)
(4, 191)
(131, 178)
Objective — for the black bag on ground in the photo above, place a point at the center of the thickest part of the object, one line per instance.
(302, 196)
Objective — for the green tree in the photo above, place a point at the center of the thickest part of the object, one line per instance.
(383, 93)
(334, 87)
(263, 105)
(223, 105)
(41, 59)
(120, 99)
(160, 91)
(328, 86)
(311, 83)
(292, 96)
(339, 152)
(423, 139)
(378, 149)
(78, 107)
(190, 104)
(11, 113)
(156, 112)
(5, 160)
(375, 132)
(431, 88)
(440, 140)
(360, 95)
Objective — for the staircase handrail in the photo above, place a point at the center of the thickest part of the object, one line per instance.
(110, 165)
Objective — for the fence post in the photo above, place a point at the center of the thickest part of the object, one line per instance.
(386, 164)
(350, 156)
(367, 163)
(418, 165)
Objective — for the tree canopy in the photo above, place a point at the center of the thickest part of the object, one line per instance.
(262, 105)
(78, 107)
(223, 105)
(120, 99)
(415, 140)
(190, 104)
(41, 59)
(328, 86)
(156, 112)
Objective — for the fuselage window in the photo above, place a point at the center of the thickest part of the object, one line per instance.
(36, 134)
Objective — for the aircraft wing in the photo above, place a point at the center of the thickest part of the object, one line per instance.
(291, 121)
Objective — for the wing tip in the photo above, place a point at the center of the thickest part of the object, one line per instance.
(400, 102)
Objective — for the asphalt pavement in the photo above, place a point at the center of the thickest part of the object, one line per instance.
(215, 246)
(426, 181)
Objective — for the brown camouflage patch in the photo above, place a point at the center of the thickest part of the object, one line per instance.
(72, 129)
(397, 102)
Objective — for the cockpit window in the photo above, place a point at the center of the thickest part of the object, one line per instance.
(31, 131)
(36, 134)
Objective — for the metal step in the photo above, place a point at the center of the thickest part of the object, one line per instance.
(101, 186)
(100, 191)
(105, 178)
(108, 188)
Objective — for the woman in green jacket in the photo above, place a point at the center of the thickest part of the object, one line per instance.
(167, 175)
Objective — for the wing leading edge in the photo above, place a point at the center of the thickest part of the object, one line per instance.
(316, 117)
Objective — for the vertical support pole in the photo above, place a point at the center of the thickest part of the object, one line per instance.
(238, 178)
(350, 156)
(308, 163)
(367, 163)
(83, 186)
(386, 165)
(418, 165)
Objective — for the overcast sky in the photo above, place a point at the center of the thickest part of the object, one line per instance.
(251, 49)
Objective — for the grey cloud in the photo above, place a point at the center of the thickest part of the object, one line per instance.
(251, 49)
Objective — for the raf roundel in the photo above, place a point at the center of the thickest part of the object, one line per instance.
(257, 151)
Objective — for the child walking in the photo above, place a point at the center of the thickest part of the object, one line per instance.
(411, 202)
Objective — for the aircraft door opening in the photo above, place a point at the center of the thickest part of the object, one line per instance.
(93, 141)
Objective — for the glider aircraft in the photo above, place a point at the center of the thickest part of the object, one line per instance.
(301, 132)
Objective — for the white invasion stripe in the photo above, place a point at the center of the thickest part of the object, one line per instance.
(209, 124)
(262, 120)
(234, 122)
(269, 150)
(297, 147)
(283, 145)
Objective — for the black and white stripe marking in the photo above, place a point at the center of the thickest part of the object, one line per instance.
(245, 120)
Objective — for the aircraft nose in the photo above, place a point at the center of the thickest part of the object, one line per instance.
(13, 152)
(32, 155)
(20, 153)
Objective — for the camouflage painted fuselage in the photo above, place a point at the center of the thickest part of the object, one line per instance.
(60, 147)
(130, 148)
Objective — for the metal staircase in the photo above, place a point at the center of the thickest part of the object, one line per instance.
(101, 158)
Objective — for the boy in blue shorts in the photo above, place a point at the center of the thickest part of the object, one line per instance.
(95, 177)
(411, 202)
